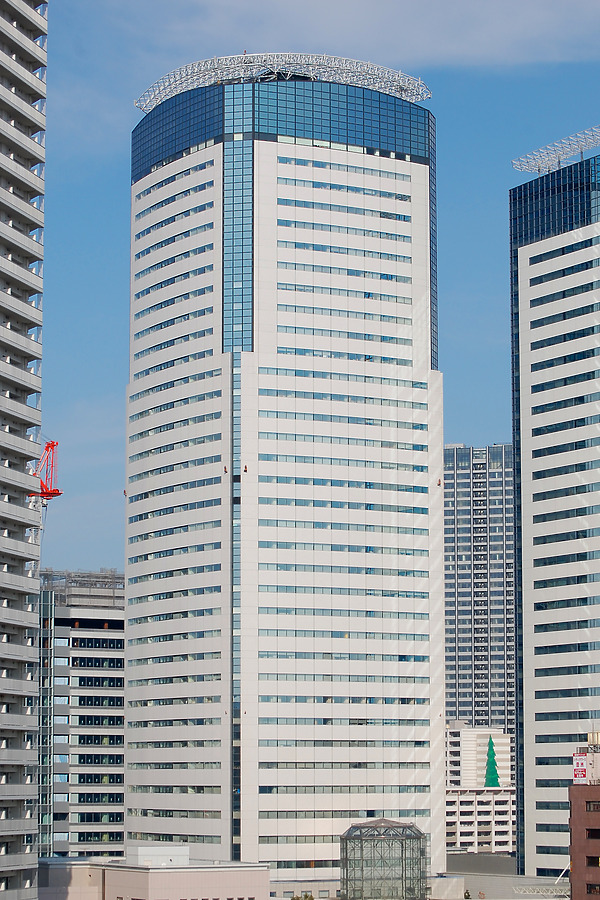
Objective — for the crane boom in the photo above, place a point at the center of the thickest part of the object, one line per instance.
(45, 470)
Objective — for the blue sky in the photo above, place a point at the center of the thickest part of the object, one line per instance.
(506, 78)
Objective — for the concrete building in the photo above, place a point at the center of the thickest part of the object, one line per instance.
(23, 30)
(168, 875)
(82, 768)
(584, 822)
(284, 515)
(480, 792)
(555, 233)
(479, 576)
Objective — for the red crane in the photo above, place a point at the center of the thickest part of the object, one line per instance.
(45, 470)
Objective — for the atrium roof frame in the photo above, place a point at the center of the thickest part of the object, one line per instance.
(552, 156)
(250, 67)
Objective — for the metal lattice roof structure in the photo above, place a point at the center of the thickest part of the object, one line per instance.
(276, 66)
(551, 157)
(383, 828)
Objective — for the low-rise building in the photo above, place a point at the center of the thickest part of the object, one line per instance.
(480, 794)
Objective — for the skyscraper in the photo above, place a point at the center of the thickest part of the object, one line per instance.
(479, 581)
(284, 514)
(555, 233)
(22, 121)
(81, 719)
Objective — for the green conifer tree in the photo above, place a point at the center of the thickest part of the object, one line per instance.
(491, 769)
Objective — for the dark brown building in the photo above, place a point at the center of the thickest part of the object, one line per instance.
(585, 840)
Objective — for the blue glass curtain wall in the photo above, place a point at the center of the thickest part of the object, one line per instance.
(317, 110)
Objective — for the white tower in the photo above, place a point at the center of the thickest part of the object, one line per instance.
(555, 234)
(283, 575)
(23, 28)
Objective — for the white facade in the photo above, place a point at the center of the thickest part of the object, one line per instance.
(479, 818)
(559, 323)
(284, 624)
(23, 30)
(82, 764)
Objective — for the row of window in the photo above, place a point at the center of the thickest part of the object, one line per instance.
(337, 270)
(316, 698)
(175, 573)
(345, 635)
(171, 510)
(345, 210)
(174, 342)
(174, 198)
(175, 218)
(346, 462)
(208, 164)
(565, 315)
(343, 354)
(345, 229)
(342, 292)
(339, 439)
(565, 294)
(342, 504)
(181, 636)
(176, 445)
(343, 251)
(177, 614)
(343, 483)
(344, 613)
(342, 313)
(341, 526)
(589, 353)
(343, 167)
(342, 398)
(171, 301)
(343, 420)
(565, 338)
(176, 551)
(175, 658)
(179, 529)
(170, 723)
(173, 488)
(335, 591)
(173, 239)
(174, 279)
(174, 404)
(344, 188)
(175, 467)
(170, 426)
(563, 273)
(176, 679)
(170, 745)
(313, 546)
(177, 320)
(342, 376)
(334, 679)
(172, 260)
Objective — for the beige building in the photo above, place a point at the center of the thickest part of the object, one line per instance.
(167, 877)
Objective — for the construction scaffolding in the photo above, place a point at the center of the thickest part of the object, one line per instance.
(383, 860)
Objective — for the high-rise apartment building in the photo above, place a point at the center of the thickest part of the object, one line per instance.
(82, 768)
(22, 117)
(284, 515)
(479, 585)
(555, 235)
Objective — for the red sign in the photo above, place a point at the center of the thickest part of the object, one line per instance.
(579, 768)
